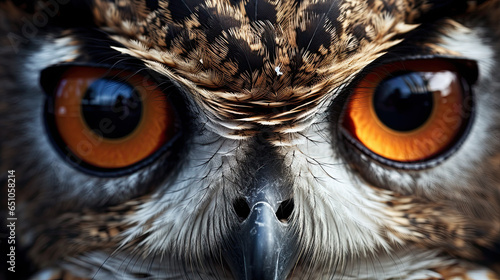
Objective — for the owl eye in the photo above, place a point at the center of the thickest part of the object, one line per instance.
(108, 120)
(411, 111)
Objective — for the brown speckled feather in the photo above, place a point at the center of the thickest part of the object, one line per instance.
(267, 66)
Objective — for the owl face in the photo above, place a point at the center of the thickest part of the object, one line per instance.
(211, 139)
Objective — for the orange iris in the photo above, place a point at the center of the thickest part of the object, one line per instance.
(408, 111)
(111, 119)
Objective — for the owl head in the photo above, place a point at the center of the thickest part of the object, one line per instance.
(252, 139)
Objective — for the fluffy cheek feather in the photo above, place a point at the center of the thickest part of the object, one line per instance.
(194, 208)
(333, 210)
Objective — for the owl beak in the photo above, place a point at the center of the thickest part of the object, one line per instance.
(264, 247)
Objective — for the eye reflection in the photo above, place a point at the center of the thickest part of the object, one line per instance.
(116, 103)
(403, 103)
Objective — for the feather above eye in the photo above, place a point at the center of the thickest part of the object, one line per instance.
(252, 139)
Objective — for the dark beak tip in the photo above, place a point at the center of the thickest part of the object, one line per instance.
(264, 248)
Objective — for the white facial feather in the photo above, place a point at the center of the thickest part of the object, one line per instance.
(405, 264)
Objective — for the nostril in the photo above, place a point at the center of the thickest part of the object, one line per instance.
(241, 208)
(285, 210)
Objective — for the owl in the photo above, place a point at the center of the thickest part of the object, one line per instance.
(250, 139)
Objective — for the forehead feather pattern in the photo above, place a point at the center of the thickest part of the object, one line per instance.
(246, 60)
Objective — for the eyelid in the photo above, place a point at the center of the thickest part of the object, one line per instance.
(468, 68)
(49, 77)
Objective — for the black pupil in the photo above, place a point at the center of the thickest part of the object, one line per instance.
(403, 103)
(111, 108)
